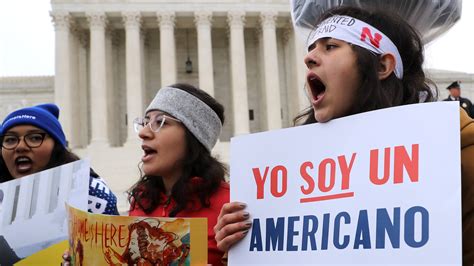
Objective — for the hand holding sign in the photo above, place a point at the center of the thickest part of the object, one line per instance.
(232, 225)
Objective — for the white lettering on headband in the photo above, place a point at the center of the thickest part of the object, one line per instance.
(359, 33)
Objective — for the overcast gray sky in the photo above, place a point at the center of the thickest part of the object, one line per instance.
(27, 40)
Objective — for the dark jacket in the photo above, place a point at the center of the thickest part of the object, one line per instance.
(465, 104)
(7, 255)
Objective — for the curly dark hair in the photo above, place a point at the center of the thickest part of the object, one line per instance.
(145, 194)
(4, 173)
(376, 94)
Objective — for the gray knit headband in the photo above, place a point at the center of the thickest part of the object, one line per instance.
(197, 116)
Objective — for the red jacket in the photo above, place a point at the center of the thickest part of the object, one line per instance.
(216, 201)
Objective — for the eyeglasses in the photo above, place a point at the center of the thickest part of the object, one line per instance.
(155, 124)
(32, 140)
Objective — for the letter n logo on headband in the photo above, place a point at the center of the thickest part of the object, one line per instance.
(374, 40)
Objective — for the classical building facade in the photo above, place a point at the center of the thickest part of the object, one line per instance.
(18, 92)
(112, 57)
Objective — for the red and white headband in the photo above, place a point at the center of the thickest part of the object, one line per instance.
(359, 33)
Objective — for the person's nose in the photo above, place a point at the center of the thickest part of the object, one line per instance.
(21, 147)
(311, 59)
(145, 133)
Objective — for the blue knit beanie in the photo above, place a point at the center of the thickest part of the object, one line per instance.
(44, 116)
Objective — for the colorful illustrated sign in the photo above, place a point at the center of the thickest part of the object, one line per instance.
(382, 187)
(97, 239)
(32, 212)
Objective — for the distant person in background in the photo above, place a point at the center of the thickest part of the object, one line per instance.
(455, 95)
(7, 254)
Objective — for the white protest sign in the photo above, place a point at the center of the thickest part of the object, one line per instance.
(33, 212)
(382, 187)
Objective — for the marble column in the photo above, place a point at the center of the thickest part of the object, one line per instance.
(270, 66)
(134, 75)
(63, 92)
(82, 114)
(166, 22)
(112, 95)
(203, 20)
(240, 105)
(98, 78)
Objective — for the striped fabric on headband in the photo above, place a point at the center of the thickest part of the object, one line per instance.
(197, 116)
(359, 33)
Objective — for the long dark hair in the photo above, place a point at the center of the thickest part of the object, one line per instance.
(376, 94)
(59, 156)
(146, 193)
(4, 173)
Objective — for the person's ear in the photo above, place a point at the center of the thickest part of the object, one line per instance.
(386, 65)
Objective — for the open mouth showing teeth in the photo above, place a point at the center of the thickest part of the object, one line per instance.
(148, 150)
(23, 164)
(317, 87)
(22, 160)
